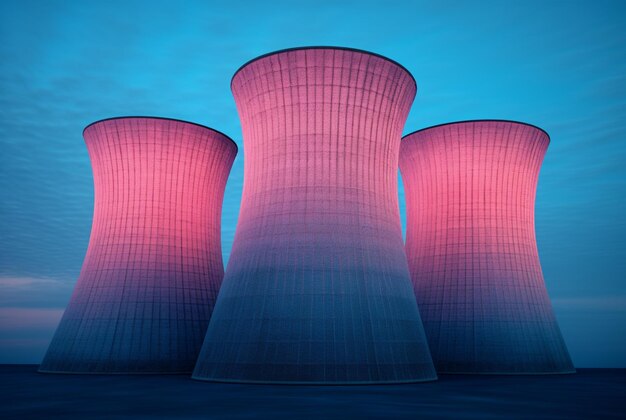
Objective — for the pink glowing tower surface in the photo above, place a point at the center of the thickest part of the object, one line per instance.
(154, 262)
(470, 197)
(317, 289)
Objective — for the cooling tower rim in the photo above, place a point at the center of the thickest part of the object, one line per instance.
(322, 47)
(479, 120)
(148, 117)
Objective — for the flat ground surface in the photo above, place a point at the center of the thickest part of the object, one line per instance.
(591, 393)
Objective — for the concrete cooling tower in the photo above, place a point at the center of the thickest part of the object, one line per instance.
(154, 265)
(470, 241)
(317, 289)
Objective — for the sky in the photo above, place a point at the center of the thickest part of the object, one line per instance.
(560, 65)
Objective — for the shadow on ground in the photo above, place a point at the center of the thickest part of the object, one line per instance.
(591, 393)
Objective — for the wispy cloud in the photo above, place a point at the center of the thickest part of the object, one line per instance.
(593, 303)
(26, 332)
(21, 320)
(33, 292)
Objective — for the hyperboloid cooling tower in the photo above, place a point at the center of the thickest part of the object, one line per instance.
(154, 262)
(470, 196)
(317, 289)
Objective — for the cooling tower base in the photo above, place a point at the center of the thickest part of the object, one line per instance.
(569, 372)
(237, 381)
(52, 372)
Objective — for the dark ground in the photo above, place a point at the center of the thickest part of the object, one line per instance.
(591, 393)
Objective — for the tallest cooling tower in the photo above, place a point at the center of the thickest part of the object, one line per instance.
(317, 289)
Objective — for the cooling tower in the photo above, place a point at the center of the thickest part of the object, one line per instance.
(154, 262)
(470, 241)
(317, 289)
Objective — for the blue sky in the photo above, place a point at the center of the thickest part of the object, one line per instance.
(560, 65)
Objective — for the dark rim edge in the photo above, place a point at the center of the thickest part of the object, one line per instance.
(160, 118)
(323, 47)
(479, 120)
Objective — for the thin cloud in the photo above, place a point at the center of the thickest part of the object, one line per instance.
(33, 292)
(596, 303)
